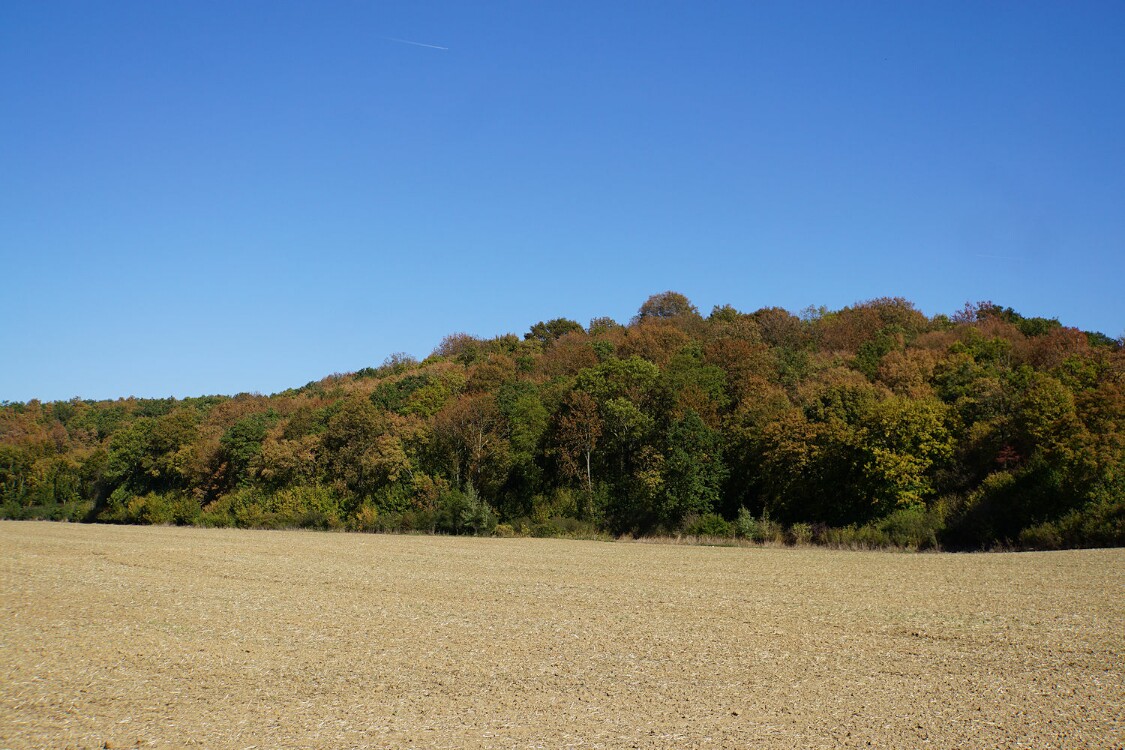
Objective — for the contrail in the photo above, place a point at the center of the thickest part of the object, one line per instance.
(416, 44)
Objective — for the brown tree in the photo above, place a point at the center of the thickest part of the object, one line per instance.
(578, 430)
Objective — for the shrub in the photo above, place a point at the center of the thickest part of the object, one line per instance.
(306, 506)
(575, 528)
(217, 514)
(1100, 523)
(907, 528)
(758, 529)
(546, 529)
(559, 504)
(709, 524)
(303, 506)
(800, 533)
(366, 518)
(79, 510)
(856, 537)
(464, 512)
(144, 509)
(745, 525)
(563, 527)
(184, 510)
(1043, 536)
(522, 525)
(914, 528)
(407, 521)
(315, 518)
(419, 520)
(769, 531)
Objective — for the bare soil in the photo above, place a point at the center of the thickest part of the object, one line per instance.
(167, 637)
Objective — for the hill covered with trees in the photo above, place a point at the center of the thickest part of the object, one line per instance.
(870, 425)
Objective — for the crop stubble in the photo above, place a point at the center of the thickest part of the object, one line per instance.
(169, 637)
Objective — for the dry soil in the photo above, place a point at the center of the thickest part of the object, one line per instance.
(168, 637)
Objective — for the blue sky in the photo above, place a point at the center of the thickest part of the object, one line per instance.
(216, 197)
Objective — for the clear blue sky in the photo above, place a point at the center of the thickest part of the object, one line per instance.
(214, 197)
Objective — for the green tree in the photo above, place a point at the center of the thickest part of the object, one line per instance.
(153, 454)
(549, 332)
(854, 453)
(349, 445)
(666, 305)
(242, 443)
(693, 470)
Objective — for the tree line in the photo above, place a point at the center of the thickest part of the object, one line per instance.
(871, 425)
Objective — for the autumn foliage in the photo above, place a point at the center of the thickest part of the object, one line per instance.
(869, 425)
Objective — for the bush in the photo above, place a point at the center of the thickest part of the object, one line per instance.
(800, 533)
(709, 524)
(153, 509)
(913, 528)
(907, 528)
(366, 518)
(575, 528)
(546, 529)
(303, 506)
(74, 511)
(464, 512)
(562, 503)
(758, 529)
(315, 518)
(769, 531)
(82, 510)
(562, 527)
(745, 525)
(1100, 523)
(853, 537)
(1043, 536)
(306, 507)
(217, 515)
(421, 520)
(522, 525)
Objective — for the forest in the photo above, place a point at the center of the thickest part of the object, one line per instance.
(869, 426)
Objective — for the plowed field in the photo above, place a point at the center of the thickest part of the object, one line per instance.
(167, 637)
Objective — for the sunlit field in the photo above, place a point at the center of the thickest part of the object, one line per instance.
(173, 637)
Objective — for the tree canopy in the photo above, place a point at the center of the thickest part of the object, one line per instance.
(871, 422)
